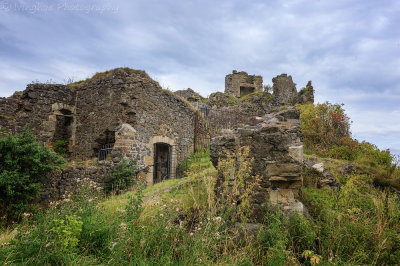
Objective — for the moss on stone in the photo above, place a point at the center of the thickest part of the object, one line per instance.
(256, 95)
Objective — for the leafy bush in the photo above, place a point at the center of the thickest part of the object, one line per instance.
(66, 232)
(324, 125)
(24, 164)
(122, 176)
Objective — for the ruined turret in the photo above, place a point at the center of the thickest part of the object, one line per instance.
(239, 84)
(306, 95)
(284, 90)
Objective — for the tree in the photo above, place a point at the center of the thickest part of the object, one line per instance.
(24, 164)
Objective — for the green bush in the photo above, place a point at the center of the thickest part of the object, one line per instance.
(123, 176)
(24, 163)
(66, 234)
(343, 152)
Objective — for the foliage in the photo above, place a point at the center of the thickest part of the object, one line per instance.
(61, 147)
(238, 183)
(357, 224)
(123, 176)
(66, 231)
(183, 223)
(24, 163)
(324, 125)
(272, 240)
(326, 132)
(301, 233)
(268, 88)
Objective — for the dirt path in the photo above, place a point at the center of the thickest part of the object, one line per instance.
(165, 190)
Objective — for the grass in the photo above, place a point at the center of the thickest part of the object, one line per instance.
(179, 222)
(105, 74)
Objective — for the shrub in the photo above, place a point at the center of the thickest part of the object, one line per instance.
(324, 125)
(24, 164)
(66, 232)
(122, 176)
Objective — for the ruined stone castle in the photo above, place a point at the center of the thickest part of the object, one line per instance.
(124, 111)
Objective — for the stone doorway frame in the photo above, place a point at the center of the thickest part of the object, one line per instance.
(150, 159)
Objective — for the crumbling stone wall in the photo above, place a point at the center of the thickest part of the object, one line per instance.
(284, 90)
(40, 105)
(239, 84)
(190, 95)
(68, 180)
(92, 111)
(276, 146)
(306, 95)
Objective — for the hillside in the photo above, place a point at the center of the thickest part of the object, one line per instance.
(180, 221)
(116, 170)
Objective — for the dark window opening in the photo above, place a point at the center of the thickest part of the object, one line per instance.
(162, 162)
(104, 144)
(246, 90)
(63, 131)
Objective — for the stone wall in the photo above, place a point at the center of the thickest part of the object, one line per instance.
(284, 90)
(306, 95)
(39, 105)
(276, 146)
(189, 95)
(239, 84)
(88, 115)
(68, 180)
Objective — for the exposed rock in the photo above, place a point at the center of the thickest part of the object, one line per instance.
(347, 169)
(319, 167)
(275, 145)
(306, 95)
(326, 178)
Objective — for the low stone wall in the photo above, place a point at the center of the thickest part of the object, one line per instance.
(276, 146)
(68, 180)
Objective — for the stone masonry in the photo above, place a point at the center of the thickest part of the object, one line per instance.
(276, 146)
(239, 84)
(284, 90)
(121, 107)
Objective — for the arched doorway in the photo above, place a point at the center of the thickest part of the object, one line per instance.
(162, 162)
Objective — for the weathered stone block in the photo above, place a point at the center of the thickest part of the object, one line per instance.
(284, 169)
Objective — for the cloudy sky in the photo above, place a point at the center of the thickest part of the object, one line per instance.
(350, 49)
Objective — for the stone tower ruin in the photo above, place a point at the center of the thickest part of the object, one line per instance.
(239, 84)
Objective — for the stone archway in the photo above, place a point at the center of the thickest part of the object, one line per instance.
(61, 124)
(168, 149)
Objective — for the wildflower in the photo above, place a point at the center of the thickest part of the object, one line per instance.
(113, 245)
(217, 219)
(161, 215)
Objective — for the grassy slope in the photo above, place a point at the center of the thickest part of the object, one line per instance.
(355, 225)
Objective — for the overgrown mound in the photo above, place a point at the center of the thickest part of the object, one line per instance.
(326, 129)
(116, 75)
